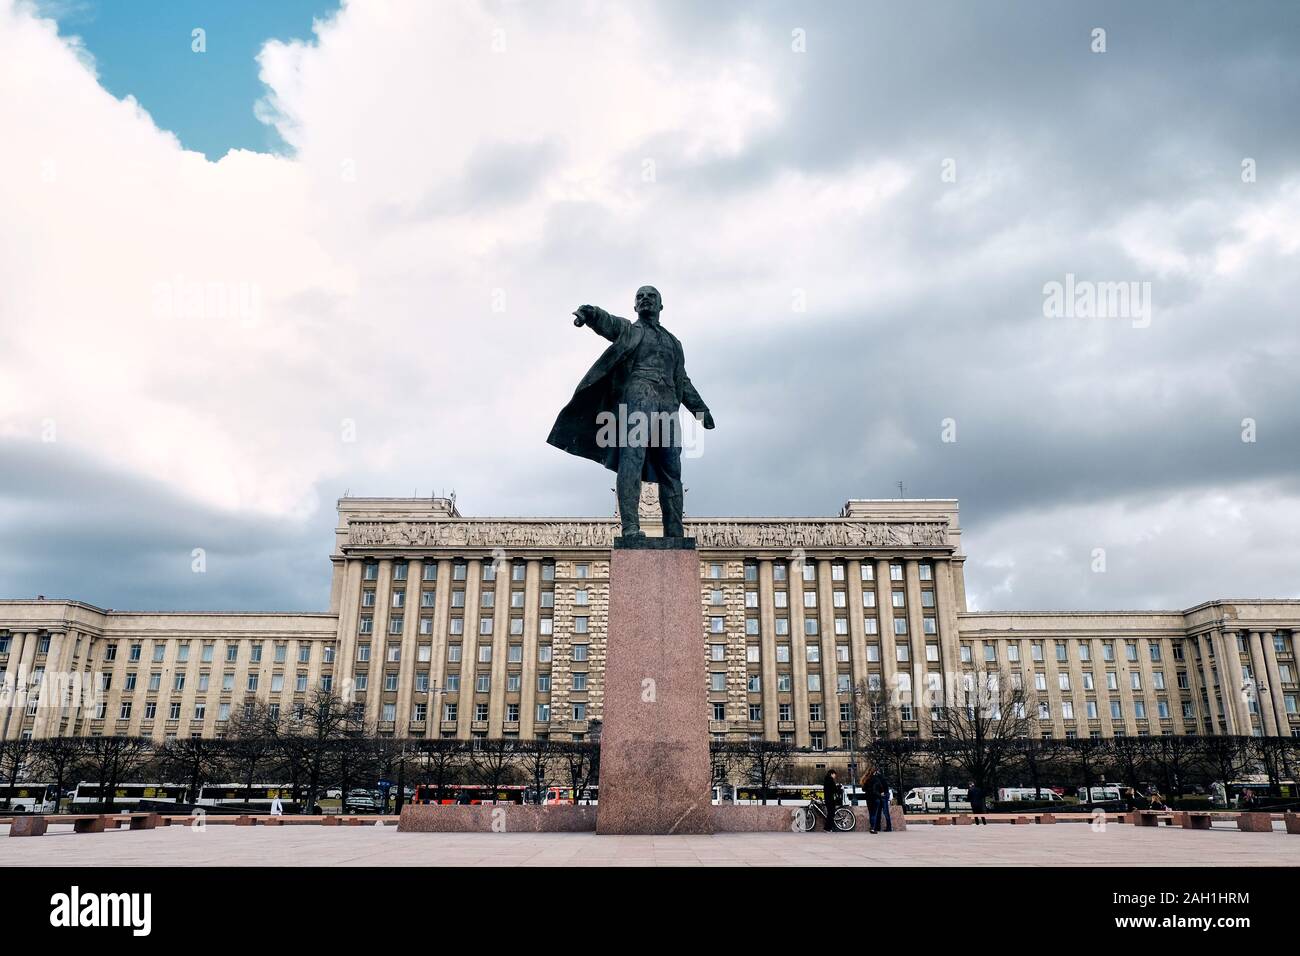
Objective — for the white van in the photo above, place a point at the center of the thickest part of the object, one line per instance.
(914, 799)
(958, 801)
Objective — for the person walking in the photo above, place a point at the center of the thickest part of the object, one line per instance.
(831, 797)
(975, 794)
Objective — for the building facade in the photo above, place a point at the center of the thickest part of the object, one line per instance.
(446, 626)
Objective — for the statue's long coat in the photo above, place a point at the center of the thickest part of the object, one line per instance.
(601, 390)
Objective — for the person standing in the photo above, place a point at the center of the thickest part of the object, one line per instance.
(831, 797)
(975, 794)
(880, 802)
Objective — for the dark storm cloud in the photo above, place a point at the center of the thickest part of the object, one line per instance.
(75, 530)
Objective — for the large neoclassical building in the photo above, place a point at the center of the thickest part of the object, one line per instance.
(442, 625)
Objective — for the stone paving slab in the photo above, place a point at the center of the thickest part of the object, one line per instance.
(1117, 845)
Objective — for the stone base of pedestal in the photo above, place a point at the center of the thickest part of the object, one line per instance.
(498, 818)
(654, 743)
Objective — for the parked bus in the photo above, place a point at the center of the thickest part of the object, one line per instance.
(561, 795)
(471, 794)
(237, 796)
(1009, 794)
(128, 794)
(29, 798)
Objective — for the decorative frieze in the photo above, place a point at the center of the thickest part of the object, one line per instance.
(770, 535)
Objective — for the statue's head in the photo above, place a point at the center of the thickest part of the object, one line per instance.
(648, 301)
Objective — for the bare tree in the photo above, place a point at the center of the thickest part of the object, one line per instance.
(196, 760)
(16, 757)
(765, 763)
(57, 757)
(113, 759)
(986, 714)
(312, 737)
(493, 761)
(539, 757)
(1226, 757)
(1176, 757)
(441, 762)
(251, 740)
(582, 760)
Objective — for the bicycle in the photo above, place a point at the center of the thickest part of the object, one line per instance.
(845, 820)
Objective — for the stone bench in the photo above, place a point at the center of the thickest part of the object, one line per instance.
(1195, 820)
(1150, 818)
(144, 821)
(1255, 822)
(1292, 821)
(25, 826)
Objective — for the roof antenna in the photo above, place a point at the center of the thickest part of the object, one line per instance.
(900, 490)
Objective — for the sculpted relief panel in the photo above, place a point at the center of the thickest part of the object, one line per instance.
(599, 534)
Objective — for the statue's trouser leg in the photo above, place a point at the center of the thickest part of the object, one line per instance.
(668, 464)
(630, 462)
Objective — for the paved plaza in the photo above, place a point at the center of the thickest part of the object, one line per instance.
(1061, 845)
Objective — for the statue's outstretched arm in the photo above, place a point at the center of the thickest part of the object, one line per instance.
(601, 322)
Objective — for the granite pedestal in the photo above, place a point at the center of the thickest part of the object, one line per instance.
(654, 744)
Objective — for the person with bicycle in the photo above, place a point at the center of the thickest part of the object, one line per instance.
(831, 797)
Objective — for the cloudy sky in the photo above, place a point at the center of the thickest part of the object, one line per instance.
(336, 250)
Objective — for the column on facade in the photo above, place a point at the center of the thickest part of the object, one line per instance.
(1148, 692)
(1054, 693)
(1212, 652)
(857, 636)
(917, 639)
(528, 670)
(500, 640)
(51, 690)
(799, 656)
(1224, 684)
(767, 651)
(407, 655)
(345, 653)
(1235, 681)
(888, 648)
(1195, 681)
(1276, 699)
(1074, 665)
(1263, 679)
(438, 666)
(12, 682)
(1100, 689)
(18, 710)
(379, 641)
(949, 628)
(469, 648)
(830, 662)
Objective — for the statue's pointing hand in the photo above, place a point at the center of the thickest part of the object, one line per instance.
(582, 315)
(707, 419)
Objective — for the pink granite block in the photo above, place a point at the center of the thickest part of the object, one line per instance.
(756, 818)
(1195, 821)
(654, 746)
(25, 826)
(144, 821)
(93, 824)
(1255, 822)
(898, 817)
(498, 818)
(1292, 821)
(1045, 818)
